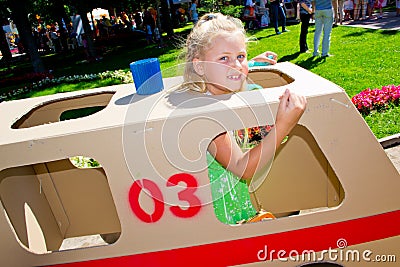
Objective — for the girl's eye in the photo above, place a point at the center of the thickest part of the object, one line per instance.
(224, 58)
(241, 57)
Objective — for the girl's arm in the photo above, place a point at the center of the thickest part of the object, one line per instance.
(245, 165)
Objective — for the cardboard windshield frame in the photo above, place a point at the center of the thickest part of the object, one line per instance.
(332, 169)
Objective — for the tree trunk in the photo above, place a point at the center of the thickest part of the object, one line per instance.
(20, 17)
(60, 14)
(5, 48)
(166, 19)
(88, 32)
(174, 17)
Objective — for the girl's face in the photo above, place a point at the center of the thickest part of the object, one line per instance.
(224, 65)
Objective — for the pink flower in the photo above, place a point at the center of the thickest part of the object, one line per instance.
(376, 99)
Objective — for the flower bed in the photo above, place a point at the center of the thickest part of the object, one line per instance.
(376, 99)
(250, 137)
(49, 80)
(33, 77)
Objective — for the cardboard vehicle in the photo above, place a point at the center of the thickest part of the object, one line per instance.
(331, 185)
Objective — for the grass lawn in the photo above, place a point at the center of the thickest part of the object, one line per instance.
(363, 58)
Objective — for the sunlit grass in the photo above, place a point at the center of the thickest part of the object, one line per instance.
(384, 123)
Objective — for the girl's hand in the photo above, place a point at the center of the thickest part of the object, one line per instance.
(290, 109)
(267, 56)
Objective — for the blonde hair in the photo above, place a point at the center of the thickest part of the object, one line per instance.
(200, 40)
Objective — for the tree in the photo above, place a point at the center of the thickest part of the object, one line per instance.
(61, 17)
(166, 18)
(20, 17)
(82, 8)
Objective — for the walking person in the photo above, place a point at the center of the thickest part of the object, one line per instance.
(357, 7)
(348, 7)
(306, 13)
(364, 7)
(323, 23)
(335, 12)
(380, 5)
(340, 11)
(193, 12)
(278, 12)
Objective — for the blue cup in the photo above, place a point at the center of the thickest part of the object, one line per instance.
(146, 75)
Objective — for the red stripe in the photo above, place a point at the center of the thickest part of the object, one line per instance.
(245, 250)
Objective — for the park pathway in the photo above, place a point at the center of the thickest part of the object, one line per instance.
(391, 144)
(389, 21)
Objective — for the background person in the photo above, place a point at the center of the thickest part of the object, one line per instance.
(323, 23)
(340, 12)
(348, 9)
(306, 13)
(357, 7)
(278, 12)
(193, 12)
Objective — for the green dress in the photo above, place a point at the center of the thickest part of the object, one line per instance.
(231, 197)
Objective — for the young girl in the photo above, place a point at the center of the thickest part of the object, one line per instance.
(217, 64)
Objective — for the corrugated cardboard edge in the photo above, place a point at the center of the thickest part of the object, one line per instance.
(390, 141)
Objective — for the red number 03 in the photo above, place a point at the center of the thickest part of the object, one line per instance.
(188, 195)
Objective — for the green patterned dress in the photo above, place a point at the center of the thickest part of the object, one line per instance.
(231, 198)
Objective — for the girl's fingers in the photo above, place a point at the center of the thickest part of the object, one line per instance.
(284, 99)
(292, 104)
(274, 55)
